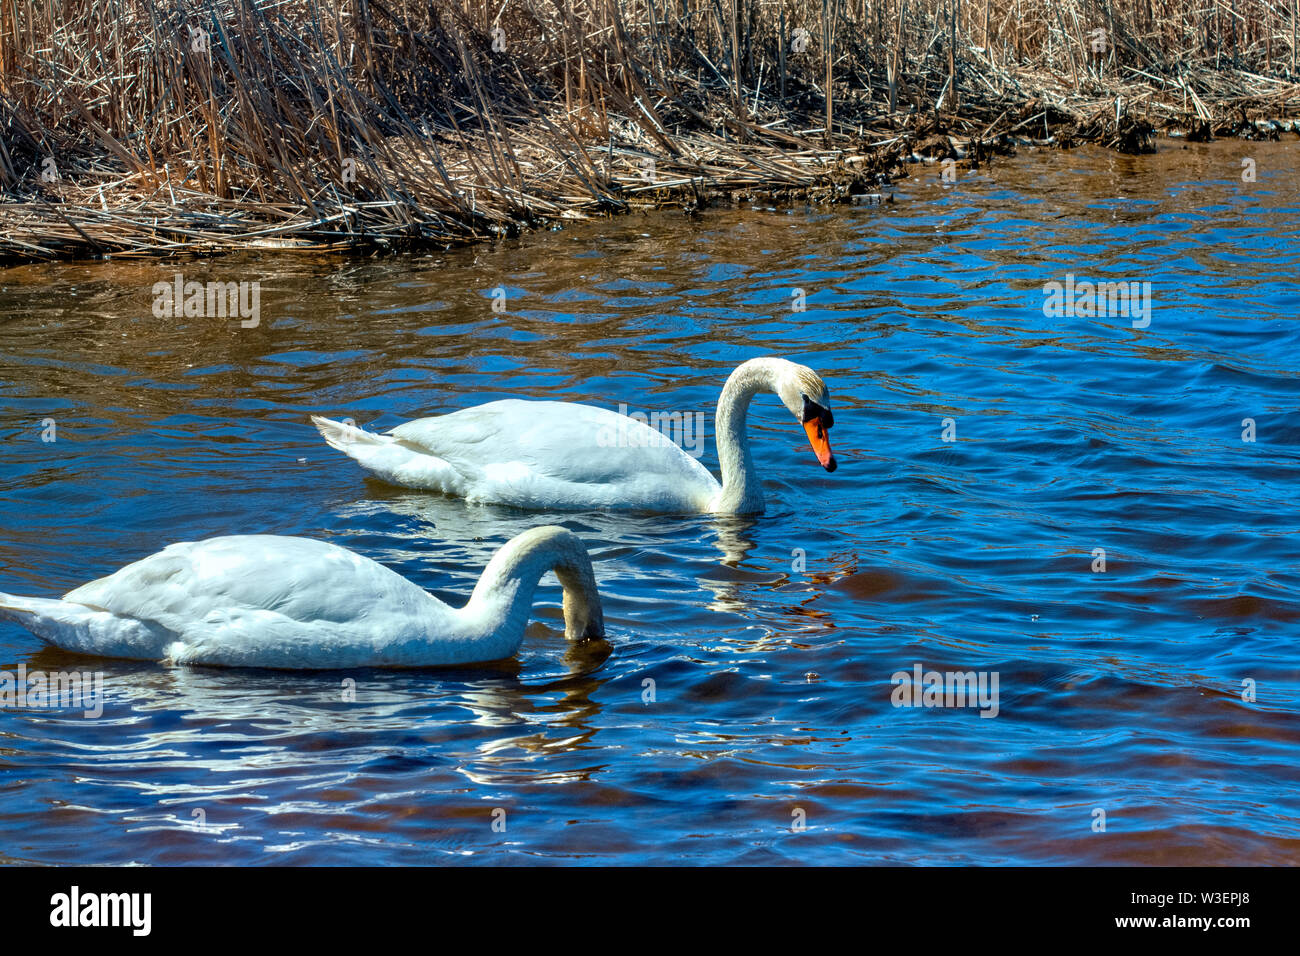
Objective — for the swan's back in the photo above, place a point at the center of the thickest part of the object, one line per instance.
(558, 455)
(301, 578)
(265, 600)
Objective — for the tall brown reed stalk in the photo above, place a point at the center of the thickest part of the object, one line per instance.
(440, 120)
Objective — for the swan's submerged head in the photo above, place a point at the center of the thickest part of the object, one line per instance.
(530, 555)
(806, 395)
(583, 618)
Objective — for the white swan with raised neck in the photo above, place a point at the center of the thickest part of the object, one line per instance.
(570, 456)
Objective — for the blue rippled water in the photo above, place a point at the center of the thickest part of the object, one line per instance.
(1158, 694)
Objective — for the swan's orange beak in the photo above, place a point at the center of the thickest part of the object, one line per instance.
(819, 438)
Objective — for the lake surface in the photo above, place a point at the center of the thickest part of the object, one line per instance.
(771, 643)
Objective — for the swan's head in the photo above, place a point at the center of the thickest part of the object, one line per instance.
(809, 400)
(528, 556)
(583, 618)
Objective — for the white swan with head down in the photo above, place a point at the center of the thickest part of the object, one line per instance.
(282, 602)
(566, 456)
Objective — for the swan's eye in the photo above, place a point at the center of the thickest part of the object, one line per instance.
(812, 410)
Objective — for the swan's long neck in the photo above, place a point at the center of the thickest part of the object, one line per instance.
(502, 600)
(742, 492)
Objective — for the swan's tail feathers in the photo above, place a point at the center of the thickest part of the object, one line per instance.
(346, 437)
(14, 606)
(383, 455)
(86, 629)
(41, 616)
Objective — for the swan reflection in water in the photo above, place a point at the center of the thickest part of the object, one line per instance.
(227, 732)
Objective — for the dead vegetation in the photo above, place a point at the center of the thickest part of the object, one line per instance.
(134, 127)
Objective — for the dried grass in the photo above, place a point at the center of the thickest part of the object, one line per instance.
(129, 127)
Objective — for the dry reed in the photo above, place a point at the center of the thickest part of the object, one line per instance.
(129, 127)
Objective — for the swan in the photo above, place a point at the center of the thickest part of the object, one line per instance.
(298, 603)
(567, 456)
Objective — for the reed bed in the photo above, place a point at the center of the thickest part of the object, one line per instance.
(142, 128)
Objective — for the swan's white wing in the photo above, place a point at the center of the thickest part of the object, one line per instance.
(301, 578)
(559, 455)
(265, 600)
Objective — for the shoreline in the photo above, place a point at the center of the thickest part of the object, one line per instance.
(371, 127)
